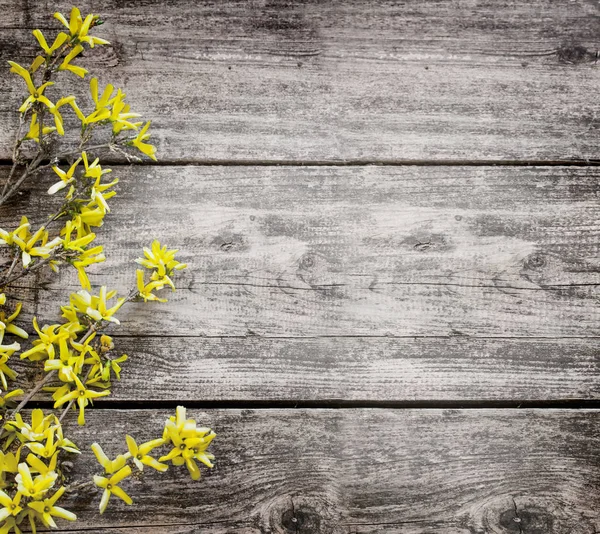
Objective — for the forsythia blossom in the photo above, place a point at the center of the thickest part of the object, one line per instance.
(188, 441)
(163, 264)
(28, 486)
(78, 358)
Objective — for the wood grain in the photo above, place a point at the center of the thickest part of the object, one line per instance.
(358, 370)
(363, 251)
(254, 81)
(362, 471)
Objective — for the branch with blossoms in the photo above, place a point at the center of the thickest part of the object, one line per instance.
(76, 357)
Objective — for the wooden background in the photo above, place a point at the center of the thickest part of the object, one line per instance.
(390, 211)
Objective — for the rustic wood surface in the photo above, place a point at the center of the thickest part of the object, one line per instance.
(343, 278)
(364, 251)
(364, 471)
(341, 81)
(311, 283)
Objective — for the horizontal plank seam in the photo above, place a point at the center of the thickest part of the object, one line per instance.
(325, 287)
(254, 335)
(338, 404)
(350, 163)
(237, 524)
(351, 336)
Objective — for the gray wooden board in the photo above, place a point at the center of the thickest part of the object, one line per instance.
(337, 81)
(357, 369)
(360, 471)
(363, 251)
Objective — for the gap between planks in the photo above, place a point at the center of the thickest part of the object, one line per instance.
(345, 163)
(339, 404)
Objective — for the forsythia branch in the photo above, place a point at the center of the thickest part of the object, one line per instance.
(78, 359)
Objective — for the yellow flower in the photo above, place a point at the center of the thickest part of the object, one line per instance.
(36, 431)
(110, 486)
(90, 217)
(101, 112)
(120, 114)
(2, 299)
(6, 351)
(46, 450)
(96, 116)
(87, 258)
(65, 177)
(30, 248)
(7, 326)
(8, 398)
(79, 28)
(94, 169)
(66, 64)
(140, 453)
(8, 464)
(109, 466)
(64, 364)
(98, 195)
(95, 307)
(9, 506)
(43, 347)
(102, 102)
(46, 510)
(40, 467)
(27, 241)
(143, 147)
(8, 238)
(64, 443)
(77, 244)
(100, 373)
(145, 290)
(35, 94)
(160, 258)
(34, 129)
(33, 487)
(189, 442)
(58, 121)
(83, 397)
(106, 343)
(58, 42)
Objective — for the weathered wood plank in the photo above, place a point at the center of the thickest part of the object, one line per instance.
(338, 81)
(377, 251)
(351, 369)
(363, 471)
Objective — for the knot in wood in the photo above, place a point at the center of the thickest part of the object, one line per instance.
(531, 521)
(301, 514)
(307, 261)
(574, 54)
(535, 261)
(301, 520)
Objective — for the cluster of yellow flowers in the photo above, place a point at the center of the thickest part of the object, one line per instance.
(188, 442)
(85, 203)
(27, 488)
(79, 359)
(163, 264)
(59, 57)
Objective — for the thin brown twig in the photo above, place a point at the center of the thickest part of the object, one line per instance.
(12, 266)
(28, 397)
(28, 270)
(16, 152)
(30, 170)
